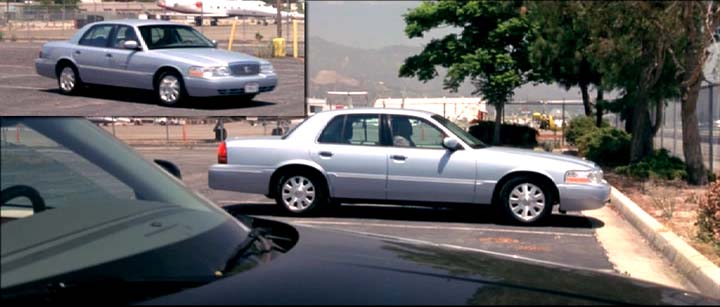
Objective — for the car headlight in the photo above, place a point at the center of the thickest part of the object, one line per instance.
(587, 176)
(209, 72)
(266, 68)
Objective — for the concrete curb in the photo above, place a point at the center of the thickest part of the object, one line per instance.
(704, 274)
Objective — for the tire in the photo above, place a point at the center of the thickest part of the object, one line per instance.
(301, 194)
(518, 209)
(69, 82)
(247, 98)
(170, 89)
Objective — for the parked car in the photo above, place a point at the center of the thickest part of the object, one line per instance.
(86, 220)
(411, 157)
(174, 60)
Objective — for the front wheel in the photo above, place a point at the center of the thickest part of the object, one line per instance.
(170, 89)
(526, 201)
(300, 194)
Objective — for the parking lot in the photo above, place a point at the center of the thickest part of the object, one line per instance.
(567, 239)
(26, 93)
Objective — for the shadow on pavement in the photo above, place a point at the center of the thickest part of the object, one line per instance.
(418, 214)
(148, 97)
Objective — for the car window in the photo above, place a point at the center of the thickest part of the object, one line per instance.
(415, 132)
(123, 34)
(97, 36)
(354, 129)
(173, 36)
(32, 160)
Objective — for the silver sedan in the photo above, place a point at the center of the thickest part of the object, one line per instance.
(401, 157)
(174, 60)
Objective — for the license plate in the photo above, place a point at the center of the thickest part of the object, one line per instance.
(252, 88)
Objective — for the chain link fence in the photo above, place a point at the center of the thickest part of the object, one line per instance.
(189, 131)
(708, 110)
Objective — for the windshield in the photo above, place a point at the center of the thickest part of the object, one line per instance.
(460, 132)
(74, 198)
(173, 36)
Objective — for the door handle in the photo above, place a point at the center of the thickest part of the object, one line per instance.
(326, 154)
(398, 157)
(108, 55)
(77, 52)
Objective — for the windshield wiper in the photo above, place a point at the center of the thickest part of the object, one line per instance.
(257, 243)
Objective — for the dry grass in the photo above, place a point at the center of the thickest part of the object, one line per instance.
(672, 203)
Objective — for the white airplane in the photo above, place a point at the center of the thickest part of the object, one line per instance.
(225, 8)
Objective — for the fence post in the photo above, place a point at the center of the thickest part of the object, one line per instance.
(710, 122)
(674, 129)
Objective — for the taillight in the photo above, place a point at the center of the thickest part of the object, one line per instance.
(222, 153)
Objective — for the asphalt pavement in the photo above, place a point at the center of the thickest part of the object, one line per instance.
(23, 92)
(567, 239)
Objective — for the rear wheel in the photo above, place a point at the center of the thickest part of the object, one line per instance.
(69, 81)
(525, 200)
(301, 193)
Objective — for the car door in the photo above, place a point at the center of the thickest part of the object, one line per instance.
(351, 152)
(123, 68)
(421, 169)
(91, 54)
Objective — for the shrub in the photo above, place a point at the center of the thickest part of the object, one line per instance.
(258, 36)
(580, 126)
(607, 146)
(2, 36)
(510, 134)
(708, 221)
(660, 164)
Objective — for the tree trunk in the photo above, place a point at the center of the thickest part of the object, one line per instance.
(598, 107)
(659, 108)
(498, 120)
(641, 144)
(697, 175)
(585, 98)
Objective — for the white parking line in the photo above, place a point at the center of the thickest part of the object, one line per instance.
(304, 222)
(23, 87)
(17, 76)
(464, 248)
(16, 66)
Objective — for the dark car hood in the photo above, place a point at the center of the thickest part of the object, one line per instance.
(332, 267)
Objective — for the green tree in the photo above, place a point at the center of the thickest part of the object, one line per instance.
(560, 50)
(693, 25)
(491, 48)
(631, 52)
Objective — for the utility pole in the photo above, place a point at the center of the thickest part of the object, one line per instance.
(278, 17)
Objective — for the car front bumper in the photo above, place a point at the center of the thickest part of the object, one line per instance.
(229, 86)
(45, 67)
(577, 197)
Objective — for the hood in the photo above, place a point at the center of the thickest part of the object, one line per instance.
(207, 56)
(334, 267)
(541, 155)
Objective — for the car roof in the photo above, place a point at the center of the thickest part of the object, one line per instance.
(395, 111)
(138, 22)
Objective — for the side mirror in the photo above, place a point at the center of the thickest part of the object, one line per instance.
(170, 168)
(214, 43)
(451, 143)
(131, 45)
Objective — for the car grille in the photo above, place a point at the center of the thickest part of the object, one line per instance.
(240, 91)
(245, 69)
